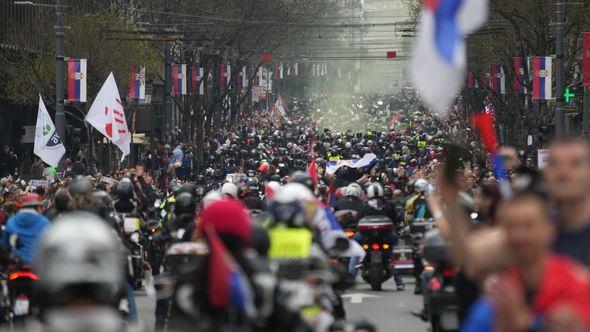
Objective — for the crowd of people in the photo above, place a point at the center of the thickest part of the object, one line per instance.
(521, 255)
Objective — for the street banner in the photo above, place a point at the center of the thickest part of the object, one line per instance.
(288, 70)
(519, 77)
(48, 144)
(437, 67)
(498, 79)
(276, 71)
(542, 78)
(295, 69)
(281, 70)
(77, 80)
(586, 59)
(137, 83)
(243, 79)
(224, 76)
(179, 79)
(197, 74)
(471, 81)
(108, 116)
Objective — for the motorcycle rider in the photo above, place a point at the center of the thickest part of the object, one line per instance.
(125, 203)
(416, 206)
(80, 263)
(27, 225)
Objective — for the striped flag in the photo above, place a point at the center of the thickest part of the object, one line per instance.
(224, 76)
(542, 78)
(197, 74)
(243, 79)
(471, 81)
(137, 83)
(519, 77)
(77, 80)
(179, 79)
(281, 70)
(295, 70)
(497, 78)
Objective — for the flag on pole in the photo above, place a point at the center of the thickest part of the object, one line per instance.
(312, 171)
(498, 79)
(48, 144)
(288, 65)
(542, 78)
(471, 81)
(179, 79)
(108, 116)
(586, 59)
(243, 79)
(281, 69)
(224, 76)
(295, 69)
(438, 63)
(137, 83)
(77, 80)
(519, 77)
(197, 74)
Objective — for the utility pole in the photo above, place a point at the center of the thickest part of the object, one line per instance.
(60, 116)
(559, 36)
(167, 91)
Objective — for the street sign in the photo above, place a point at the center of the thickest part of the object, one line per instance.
(542, 158)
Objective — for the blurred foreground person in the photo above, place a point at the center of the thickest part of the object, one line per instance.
(81, 268)
(539, 291)
(568, 177)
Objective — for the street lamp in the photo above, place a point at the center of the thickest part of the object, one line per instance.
(60, 117)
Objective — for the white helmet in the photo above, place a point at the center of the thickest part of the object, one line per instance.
(210, 197)
(374, 190)
(272, 187)
(420, 185)
(230, 189)
(292, 192)
(354, 189)
(80, 249)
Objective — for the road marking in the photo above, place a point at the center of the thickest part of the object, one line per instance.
(358, 297)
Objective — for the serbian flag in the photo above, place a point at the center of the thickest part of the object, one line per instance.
(179, 79)
(228, 285)
(438, 63)
(242, 79)
(137, 83)
(519, 77)
(542, 78)
(197, 74)
(586, 59)
(313, 173)
(77, 80)
(224, 76)
(487, 132)
(498, 78)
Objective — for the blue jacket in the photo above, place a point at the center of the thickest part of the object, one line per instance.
(28, 226)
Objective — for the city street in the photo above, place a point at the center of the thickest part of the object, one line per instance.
(388, 310)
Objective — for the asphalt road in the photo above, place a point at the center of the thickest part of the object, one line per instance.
(388, 310)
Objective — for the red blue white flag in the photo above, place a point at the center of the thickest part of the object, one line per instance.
(471, 81)
(542, 78)
(498, 82)
(438, 63)
(224, 76)
(519, 77)
(137, 83)
(197, 74)
(77, 80)
(179, 79)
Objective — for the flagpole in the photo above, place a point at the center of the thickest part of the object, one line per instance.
(60, 116)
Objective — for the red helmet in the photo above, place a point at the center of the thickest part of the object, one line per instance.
(32, 200)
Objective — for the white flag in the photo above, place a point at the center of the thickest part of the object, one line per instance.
(108, 117)
(48, 145)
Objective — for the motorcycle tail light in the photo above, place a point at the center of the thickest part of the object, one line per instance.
(434, 284)
(23, 274)
(349, 234)
(385, 246)
(448, 273)
(366, 246)
(375, 246)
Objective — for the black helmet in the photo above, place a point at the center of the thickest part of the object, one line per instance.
(304, 178)
(80, 186)
(188, 188)
(125, 189)
(185, 203)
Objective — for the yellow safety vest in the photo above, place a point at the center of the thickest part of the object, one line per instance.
(289, 243)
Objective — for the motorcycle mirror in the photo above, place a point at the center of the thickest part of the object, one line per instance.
(180, 233)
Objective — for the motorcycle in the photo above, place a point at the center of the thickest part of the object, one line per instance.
(134, 241)
(443, 304)
(21, 289)
(377, 234)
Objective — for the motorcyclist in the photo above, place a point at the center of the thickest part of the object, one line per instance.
(348, 208)
(416, 206)
(125, 203)
(22, 230)
(80, 264)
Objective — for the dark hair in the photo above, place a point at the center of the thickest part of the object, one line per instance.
(527, 196)
(569, 140)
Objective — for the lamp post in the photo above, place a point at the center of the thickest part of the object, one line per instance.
(60, 117)
(559, 50)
